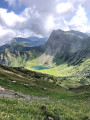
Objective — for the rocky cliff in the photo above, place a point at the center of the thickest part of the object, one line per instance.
(63, 45)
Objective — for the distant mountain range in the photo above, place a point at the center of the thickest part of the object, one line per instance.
(66, 53)
(30, 41)
(67, 46)
(88, 34)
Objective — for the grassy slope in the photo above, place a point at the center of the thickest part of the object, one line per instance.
(36, 84)
(33, 110)
(65, 70)
(60, 106)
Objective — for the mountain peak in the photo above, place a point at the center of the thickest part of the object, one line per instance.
(65, 44)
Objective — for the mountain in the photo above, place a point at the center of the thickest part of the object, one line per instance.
(62, 46)
(17, 54)
(27, 94)
(65, 54)
(80, 34)
(88, 34)
(70, 46)
(30, 41)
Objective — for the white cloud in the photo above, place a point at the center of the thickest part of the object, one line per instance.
(50, 23)
(6, 35)
(40, 17)
(10, 19)
(79, 20)
(80, 17)
(63, 7)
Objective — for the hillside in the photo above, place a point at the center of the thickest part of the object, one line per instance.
(34, 97)
(17, 54)
(29, 82)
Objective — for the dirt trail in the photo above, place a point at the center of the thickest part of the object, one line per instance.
(6, 93)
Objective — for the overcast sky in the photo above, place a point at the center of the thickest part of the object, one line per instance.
(26, 18)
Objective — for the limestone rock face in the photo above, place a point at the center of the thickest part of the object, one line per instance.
(65, 43)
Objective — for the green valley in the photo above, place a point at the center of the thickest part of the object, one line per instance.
(48, 82)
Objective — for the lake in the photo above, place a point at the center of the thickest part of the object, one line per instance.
(39, 67)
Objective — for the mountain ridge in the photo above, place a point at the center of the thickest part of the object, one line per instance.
(30, 41)
(65, 44)
(65, 54)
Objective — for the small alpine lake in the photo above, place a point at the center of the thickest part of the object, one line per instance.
(39, 67)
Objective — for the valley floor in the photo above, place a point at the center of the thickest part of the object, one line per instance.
(74, 75)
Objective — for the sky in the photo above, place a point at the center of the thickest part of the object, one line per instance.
(25, 18)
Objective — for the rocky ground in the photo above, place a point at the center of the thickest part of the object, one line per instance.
(6, 93)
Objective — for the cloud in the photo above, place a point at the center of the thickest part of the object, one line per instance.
(40, 17)
(86, 4)
(10, 25)
(6, 35)
(78, 22)
(63, 7)
(9, 19)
